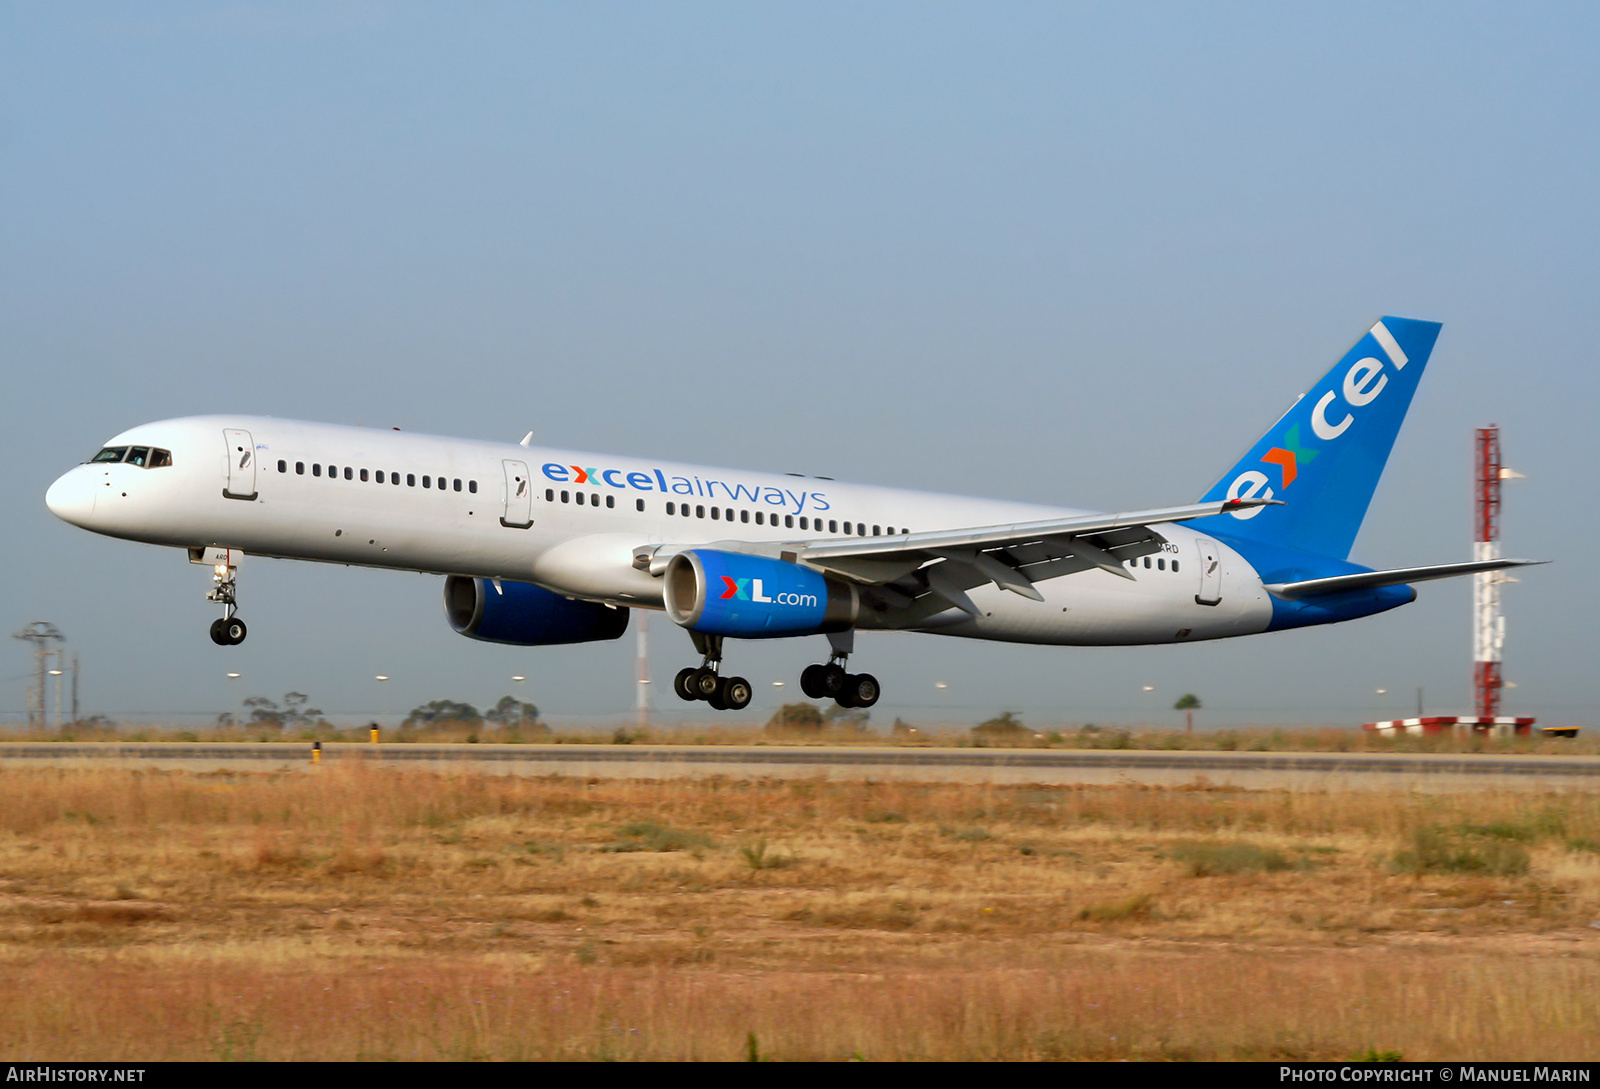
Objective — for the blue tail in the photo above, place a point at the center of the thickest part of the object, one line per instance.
(1324, 456)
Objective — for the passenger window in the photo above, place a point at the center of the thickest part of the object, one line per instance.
(458, 484)
(283, 466)
(715, 513)
(363, 475)
(1174, 565)
(566, 497)
(875, 532)
(472, 486)
(833, 525)
(744, 516)
(788, 521)
(347, 472)
(672, 508)
(761, 518)
(378, 476)
(114, 453)
(299, 468)
(394, 478)
(427, 482)
(611, 501)
(1161, 565)
(411, 480)
(640, 503)
(159, 459)
(804, 525)
(316, 468)
(699, 511)
(1147, 563)
(549, 494)
(594, 499)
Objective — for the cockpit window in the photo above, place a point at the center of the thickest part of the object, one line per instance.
(147, 457)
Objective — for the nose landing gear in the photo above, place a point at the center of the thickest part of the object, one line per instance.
(230, 630)
(704, 683)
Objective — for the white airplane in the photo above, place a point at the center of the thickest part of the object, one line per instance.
(544, 546)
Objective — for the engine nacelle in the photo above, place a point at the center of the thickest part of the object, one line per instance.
(754, 597)
(525, 615)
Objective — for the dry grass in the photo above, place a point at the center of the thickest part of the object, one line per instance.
(362, 912)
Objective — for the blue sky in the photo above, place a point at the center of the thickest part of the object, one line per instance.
(1071, 253)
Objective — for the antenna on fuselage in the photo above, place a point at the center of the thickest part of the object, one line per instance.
(526, 439)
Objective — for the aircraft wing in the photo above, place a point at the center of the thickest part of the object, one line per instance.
(917, 575)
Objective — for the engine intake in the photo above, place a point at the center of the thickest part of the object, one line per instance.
(754, 597)
(525, 615)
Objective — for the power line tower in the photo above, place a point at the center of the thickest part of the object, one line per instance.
(1488, 622)
(41, 633)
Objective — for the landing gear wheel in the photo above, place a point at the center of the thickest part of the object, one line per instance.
(681, 684)
(704, 683)
(811, 681)
(862, 689)
(715, 699)
(832, 680)
(219, 634)
(733, 694)
(234, 631)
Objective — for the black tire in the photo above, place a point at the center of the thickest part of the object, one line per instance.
(845, 697)
(735, 693)
(680, 684)
(704, 683)
(811, 681)
(832, 680)
(715, 699)
(219, 635)
(234, 631)
(864, 690)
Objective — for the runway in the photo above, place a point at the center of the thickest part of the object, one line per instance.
(1243, 770)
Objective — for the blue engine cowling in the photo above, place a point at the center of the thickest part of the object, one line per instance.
(754, 597)
(525, 615)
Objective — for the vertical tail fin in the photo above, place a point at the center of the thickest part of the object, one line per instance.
(1324, 456)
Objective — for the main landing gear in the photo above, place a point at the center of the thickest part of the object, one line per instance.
(831, 681)
(704, 683)
(230, 630)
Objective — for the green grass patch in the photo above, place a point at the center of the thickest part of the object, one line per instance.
(1212, 859)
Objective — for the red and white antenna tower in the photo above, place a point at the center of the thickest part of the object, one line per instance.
(1488, 623)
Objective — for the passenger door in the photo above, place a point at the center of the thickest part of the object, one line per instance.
(241, 464)
(1210, 573)
(519, 496)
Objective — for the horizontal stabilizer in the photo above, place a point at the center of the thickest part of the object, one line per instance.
(1370, 580)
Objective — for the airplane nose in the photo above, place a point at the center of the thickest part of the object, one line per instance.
(71, 498)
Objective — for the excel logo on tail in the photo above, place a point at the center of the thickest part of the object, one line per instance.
(1359, 386)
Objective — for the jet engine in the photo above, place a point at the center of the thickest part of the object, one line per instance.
(525, 615)
(754, 597)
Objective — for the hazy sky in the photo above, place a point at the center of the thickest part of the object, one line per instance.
(1069, 253)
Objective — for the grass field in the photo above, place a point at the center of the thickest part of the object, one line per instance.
(358, 912)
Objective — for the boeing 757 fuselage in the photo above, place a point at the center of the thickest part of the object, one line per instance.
(542, 546)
